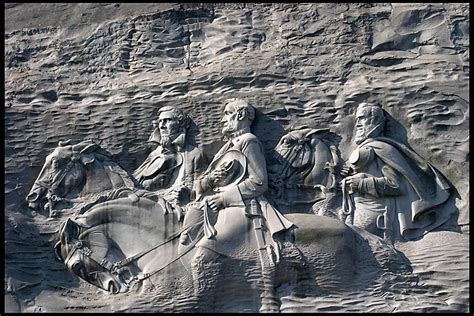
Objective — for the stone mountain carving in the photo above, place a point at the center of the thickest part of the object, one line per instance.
(77, 173)
(172, 167)
(232, 203)
(332, 257)
(307, 170)
(392, 192)
(103, 72)
(229, 219)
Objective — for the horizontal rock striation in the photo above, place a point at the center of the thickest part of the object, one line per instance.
(102, 71)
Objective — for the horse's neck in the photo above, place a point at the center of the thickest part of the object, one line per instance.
(99, 179)
(145, 218)
(296, 174)
(319, 172)
(134, 230)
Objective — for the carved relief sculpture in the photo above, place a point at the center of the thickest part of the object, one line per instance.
(304, 158)
(230, 220)
(77, 177)
(392, 191)
(170, 169)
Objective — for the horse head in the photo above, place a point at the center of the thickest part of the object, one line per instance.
(307, 162)
(101, 245)
(72, 171)
(83, 250)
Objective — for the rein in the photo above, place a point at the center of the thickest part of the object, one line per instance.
(123, 262)
(142, 276)
(114, 267)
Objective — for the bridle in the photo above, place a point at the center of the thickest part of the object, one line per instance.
(116, 268)
(51, 187)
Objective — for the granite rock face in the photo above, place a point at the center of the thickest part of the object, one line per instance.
(102, 71)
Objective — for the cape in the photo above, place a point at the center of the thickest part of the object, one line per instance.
(430, 185)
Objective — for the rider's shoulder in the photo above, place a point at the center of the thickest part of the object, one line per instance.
(379, 144)
(246, 138)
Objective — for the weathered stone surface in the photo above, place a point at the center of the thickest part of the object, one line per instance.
(102, 71)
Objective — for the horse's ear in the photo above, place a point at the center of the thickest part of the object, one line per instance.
(89, 148)
(87, 159)
(85, 147)
(62, 143)
(57, 251)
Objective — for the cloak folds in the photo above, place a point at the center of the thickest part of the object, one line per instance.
(416, 217)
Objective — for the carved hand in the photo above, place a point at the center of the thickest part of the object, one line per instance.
(345, 171)
(354, 181)
(215, 202)
(179, 194)
(216, 176)
(147, 184)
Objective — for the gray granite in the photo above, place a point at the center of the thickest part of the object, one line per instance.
(243, 157)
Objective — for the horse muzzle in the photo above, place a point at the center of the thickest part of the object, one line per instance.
(114, 287)
(34, 197)
(110, 284)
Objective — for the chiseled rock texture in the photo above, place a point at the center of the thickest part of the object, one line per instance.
(102, 71)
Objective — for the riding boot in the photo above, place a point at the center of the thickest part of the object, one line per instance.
(193, 219)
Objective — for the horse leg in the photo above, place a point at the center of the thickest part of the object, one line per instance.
(295, 270)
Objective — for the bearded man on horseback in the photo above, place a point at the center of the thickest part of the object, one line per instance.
(392, 192)
(170, 169)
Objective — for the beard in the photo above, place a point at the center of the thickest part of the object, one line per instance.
(167, 139)
(229, 129)
(361, 134)
(368, 131)
(226, 132)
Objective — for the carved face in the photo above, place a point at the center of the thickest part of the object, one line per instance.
(230, 120)
(365, 123)
(370, 122)
(169, 127)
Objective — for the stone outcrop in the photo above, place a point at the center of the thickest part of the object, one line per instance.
(102, 71)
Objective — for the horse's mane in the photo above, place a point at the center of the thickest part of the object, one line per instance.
(324, 134)
(106, 158)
